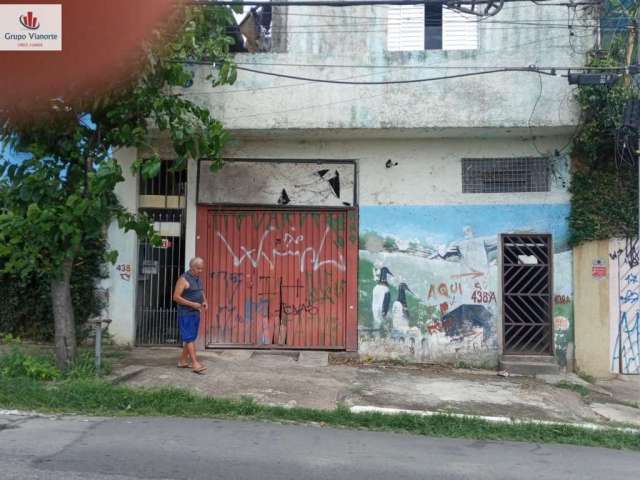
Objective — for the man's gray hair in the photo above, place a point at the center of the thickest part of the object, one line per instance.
(195, 260)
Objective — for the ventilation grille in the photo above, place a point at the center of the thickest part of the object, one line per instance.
(503, 175)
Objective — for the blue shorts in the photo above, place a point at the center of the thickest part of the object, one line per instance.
(189, 322)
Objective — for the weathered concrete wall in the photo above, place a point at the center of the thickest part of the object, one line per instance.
(607, 307)
(329, 184)
(123, 276)
(357, 37)
(441, 243)
(591, 309)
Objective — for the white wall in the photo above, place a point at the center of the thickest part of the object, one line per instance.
(357, 36)
(123, 276)
(428, 170)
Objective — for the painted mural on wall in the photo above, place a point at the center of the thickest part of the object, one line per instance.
(625, 315)
(428, 279)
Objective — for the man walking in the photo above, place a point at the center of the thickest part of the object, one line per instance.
(190, 298)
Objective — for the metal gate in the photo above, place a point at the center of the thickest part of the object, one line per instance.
(526, 298)
(158, 271)
(279, 278)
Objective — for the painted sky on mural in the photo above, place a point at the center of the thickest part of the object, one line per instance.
(445, 223)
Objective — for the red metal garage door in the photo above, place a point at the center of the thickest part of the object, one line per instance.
(279, 278)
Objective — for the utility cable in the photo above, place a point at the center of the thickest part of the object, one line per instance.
(377, 17)
(372, 3)
(395, 82)
(351, 29)
(427, 67)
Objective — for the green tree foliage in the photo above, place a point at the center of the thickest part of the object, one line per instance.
(604, 185)
(60, 199)
(25, 302)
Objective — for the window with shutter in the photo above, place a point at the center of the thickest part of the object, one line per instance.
(430, 27)
(405, 28)
(459, 30)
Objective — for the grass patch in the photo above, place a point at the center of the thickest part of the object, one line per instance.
(586, 377)
(39, 365)
(98, 397)
(580, 389)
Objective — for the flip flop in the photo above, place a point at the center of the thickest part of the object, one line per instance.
(184, 366)
(200, 371)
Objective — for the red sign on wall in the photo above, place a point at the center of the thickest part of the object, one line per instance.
(598, 268)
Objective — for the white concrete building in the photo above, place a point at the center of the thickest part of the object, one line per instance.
(457, 186)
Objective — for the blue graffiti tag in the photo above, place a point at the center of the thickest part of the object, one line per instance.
(259, 308)
(627, 346)
(630, 297)
(631, 278)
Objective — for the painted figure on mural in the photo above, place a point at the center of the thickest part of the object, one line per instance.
(381, 300)
(473, 251)
(400, 311)
(189, 295)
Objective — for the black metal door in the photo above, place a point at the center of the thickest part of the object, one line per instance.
(158, 271)
(526, 294)
(162, 198)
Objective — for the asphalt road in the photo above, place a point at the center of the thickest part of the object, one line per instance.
(70, 448)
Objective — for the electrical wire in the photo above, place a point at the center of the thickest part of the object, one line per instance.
(226, 91)
(507, 8)
(460, 18)
(272, 87)
(365, 27)
(397, 82)
(487, 25)
(384, 19)
(351, 29)
(351, 101)
(520, 25)
(576, 130)
(429, 67)
(463, 20)
(483, 26)
(364, 3)
(386, 67)
(533, 110)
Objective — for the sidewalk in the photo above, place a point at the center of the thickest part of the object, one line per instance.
(309, 379)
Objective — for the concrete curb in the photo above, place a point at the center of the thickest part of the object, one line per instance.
(23, 413)
(511, 421)
(125, 374)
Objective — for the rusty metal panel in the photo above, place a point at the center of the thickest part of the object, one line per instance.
(278, 278)
(527, 286)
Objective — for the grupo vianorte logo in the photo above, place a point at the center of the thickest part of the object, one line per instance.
(29, 21)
